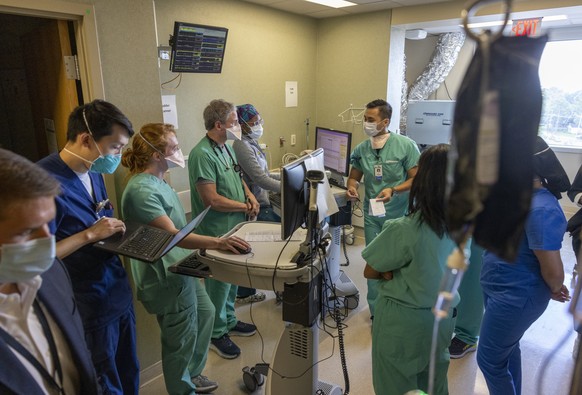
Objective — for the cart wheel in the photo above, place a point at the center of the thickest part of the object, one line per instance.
(350, 239)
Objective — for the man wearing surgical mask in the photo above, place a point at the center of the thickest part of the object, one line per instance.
(388, 163)
(216, 180)
(42, 347)
(96, 134)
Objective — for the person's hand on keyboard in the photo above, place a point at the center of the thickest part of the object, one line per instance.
(104, 227)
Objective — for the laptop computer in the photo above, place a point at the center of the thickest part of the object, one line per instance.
(147, 243)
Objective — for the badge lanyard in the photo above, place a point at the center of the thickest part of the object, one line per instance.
(30, 358)
(378, 167)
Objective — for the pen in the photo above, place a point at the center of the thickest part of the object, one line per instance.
(101, 205)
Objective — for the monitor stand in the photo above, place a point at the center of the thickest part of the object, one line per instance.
(346, 292)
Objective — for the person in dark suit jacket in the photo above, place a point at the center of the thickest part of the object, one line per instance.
(42, 343)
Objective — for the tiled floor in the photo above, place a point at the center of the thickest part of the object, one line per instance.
(464, 375)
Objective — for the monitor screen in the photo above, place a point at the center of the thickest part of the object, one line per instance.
(430, 122)
(295, 193)
(337, 147)
(197, 48)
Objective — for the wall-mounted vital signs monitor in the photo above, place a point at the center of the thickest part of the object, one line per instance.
(197, 48)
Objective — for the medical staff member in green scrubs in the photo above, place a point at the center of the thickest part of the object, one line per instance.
(216, 181)
(387, 161)
(180, 303)
(408, 258)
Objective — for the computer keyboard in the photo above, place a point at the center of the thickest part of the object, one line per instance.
(146, 241)
(275, 199)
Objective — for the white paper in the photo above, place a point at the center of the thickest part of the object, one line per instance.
(169, 109)
(290, 93)
(326, 204)
(377, 208)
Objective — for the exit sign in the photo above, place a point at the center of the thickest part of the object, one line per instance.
(526, 27)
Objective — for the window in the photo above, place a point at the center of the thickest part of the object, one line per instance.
(561, 80)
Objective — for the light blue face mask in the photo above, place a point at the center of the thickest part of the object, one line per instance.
(23, 261)
(106, 164)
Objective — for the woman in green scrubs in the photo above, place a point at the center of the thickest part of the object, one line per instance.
(182, 307)
(409, 258)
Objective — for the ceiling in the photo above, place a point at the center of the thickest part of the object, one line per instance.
(313, 10)
(303, 7)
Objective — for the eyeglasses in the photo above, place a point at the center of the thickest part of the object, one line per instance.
(259, 122)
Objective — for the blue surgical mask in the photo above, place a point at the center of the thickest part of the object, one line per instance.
(23, 261)
(256, 132)
(106, 164)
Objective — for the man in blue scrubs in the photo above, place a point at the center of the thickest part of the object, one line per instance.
(388, 163)
(96, 134)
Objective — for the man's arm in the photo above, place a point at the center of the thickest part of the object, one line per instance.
(210, 197)
(386, 194)
(353, 183)
(102, 229)
(253, 205)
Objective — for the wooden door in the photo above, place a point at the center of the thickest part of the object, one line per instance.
(52, 95)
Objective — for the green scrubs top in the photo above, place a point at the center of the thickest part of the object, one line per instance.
(416, 256)
(398, 155)
(208, 162)
(144, 199)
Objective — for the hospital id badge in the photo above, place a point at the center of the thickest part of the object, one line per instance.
(378, 172)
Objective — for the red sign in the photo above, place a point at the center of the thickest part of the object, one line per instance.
(526, 27)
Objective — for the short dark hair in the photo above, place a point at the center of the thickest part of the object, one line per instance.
(20, 179)
(427, 193)
(101, 116)
(217, 110)
(384, 108)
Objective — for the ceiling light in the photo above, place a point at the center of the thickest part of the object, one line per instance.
(333, 3)
(554, 18)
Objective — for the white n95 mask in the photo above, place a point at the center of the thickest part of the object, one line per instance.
(233, 133)
(24, 261)
(176, 160)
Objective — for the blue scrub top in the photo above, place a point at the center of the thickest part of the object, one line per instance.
(544, 230)
(99, 280)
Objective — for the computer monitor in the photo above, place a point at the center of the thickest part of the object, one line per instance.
(430, 122)
(337, 147)
(295, 193)
(197, 48)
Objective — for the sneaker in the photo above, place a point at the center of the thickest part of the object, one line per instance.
(257, 297)
(243, 329)
(224, 347)
(458, 348)
(204, 385)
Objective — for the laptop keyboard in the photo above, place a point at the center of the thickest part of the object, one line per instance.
(146, 241)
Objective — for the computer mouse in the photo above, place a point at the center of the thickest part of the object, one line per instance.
(243, 250)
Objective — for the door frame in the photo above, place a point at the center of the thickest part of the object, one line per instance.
(83, 17)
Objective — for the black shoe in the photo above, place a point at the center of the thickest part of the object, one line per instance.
(243, 329)
(224, 347)
(458, 348)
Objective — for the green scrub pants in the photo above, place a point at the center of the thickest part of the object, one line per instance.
(223, 296)
(185, 315)
(372, 227)
(401, 340)
(470, 309)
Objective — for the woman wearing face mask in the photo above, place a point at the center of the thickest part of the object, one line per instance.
(180, 303)
(256, 174)
(388, 163)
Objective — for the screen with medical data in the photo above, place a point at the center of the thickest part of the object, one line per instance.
(336, 149)
(197, 48)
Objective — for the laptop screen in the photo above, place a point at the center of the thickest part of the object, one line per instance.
(186, 230)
